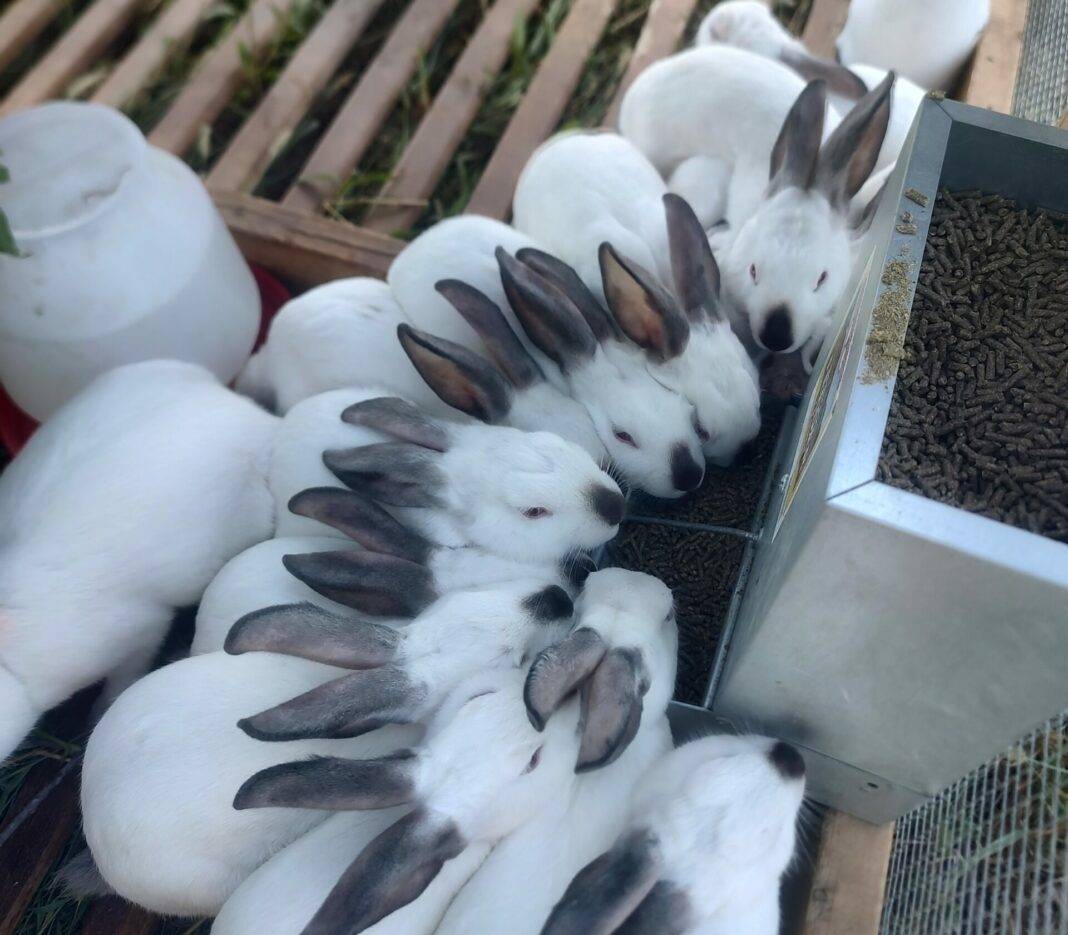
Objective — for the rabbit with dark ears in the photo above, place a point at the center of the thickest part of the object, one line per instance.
(712, 830)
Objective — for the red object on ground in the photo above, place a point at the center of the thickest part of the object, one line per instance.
(16, 427)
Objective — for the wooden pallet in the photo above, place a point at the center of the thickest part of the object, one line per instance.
(295, 239)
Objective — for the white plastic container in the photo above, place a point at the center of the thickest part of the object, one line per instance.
(124, 258)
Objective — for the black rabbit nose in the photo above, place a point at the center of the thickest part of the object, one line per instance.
(777, 333)
(787, 760)
(608, 504)
(686, 473)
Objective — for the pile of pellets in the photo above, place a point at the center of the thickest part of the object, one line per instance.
(979, 416)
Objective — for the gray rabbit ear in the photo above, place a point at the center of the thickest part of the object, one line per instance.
(642, 307)
(570, 284)
(504, 348)
(796, 151)
(363, 521)
(395, 473)
(401, 419)
(611, 708)
(311, 632)
(840, 80)
(332, 783)
(607, 890)
(558, 670)
(379, 585)
(391, 871)
(666, 910)
(693, 267)
(460, 377)
(852, 150)
(548, 317)
(862, 222)
(349, 706)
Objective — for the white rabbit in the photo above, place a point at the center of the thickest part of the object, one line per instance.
(352, 874)
(530, 496)
(643, 426)
(122, 507)
(712, 829)
(623, 648)
(786, 262)
(928, 43)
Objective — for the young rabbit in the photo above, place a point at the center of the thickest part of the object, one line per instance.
(928, 43)
(122, 507)
(712, 829)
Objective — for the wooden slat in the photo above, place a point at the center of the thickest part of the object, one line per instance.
(427, 154)
(368, 105)
(23, 22)
(992, 77)
(265, 132)
(543, 105)
(850, 879)
(114, 916)
(165, 38)
(72, 54)
(660, 36)
(1064, 121)
(304, 249)
(824, 23)
(218, 76)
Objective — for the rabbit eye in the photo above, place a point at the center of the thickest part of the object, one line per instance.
(535, 512)
(534, 761)
(821, 280)
(625, 437)
(752, 272)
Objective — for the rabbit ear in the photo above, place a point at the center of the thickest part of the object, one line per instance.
(607, 890)
(641, 307)
(379, 585)
(570, 284)
(344, 707)
(504, 348)
(796, 151)
(550, 320)
(311, 632)
(840, 80)
(460, 377)
(666, 910)
(393, 472)
(863, 221)
(693, 266)
(391, 871)
(852, 150)
(401, 419)
(333, 783)
(363, 521)
(611, 709)
(558, 670)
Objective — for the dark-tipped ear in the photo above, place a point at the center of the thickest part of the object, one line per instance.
(558, 670)
(852, 150)
(796, 151)
(391, 871)
(863, 220)
(840, 80)
(693, 267)
(393, 472)
(570, 284)
(611, 709)
(460, 377)
(548, 317)
(608, 889)
(666, 910)
(401, 419)
(311, 632)
(344, 707)
(362, 520)
(642, 307)
(376, 584)
(502, 344)
(333, 783)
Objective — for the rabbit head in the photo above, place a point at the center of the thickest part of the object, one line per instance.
(787, 265)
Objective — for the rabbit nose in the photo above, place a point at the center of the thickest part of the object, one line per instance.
(787, 760)
(777, 333)
(686, 473)
(608, 504)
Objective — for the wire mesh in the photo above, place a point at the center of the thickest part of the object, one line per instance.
(1041, 92)
(990, 854)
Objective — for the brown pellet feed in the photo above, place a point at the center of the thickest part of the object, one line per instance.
(979, 416)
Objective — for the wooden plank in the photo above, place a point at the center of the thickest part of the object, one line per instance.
(72, 54)
(370, 102)
(992, 78)
(166, 37)
(304, 249)
(850, 879)
(660, 36)
(542, 106)
(1064, 121)
(23, 22)
(218, 76)
(114, 916)
(428, 152)
(824, 23)
(271, 124)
